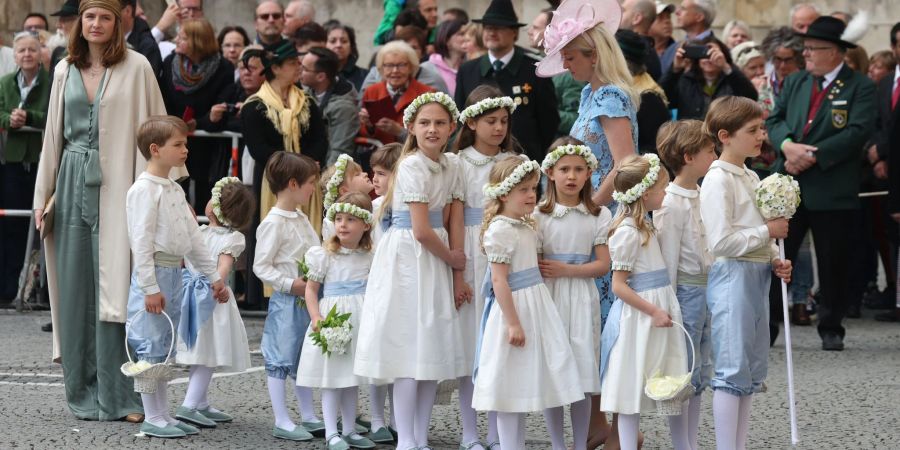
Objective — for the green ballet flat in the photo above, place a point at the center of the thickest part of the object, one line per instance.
(193, 416)
(381, 436)
(215, 416)
(356, 441)
(339, 444)
(317, 429)
(361, 421)
(166, 432)
(297, 434)
(187, 428)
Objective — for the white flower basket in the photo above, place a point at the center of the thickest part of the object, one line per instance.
(670, 405)
(146, 379)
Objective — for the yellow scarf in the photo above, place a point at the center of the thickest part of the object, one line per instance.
(290, 122)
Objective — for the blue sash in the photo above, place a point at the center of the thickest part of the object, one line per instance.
(402, 219)
(340, 288)
(197, 305)
(517, 280)
(569, 258)
(473, 216)
(638, 282)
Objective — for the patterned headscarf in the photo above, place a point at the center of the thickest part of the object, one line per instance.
(113, 6)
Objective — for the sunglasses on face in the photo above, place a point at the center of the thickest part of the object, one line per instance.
(267, 16)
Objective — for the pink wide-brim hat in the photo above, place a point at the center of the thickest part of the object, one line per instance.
(570, 20)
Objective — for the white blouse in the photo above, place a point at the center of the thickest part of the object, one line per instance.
(681, 234)
(734, 227)
(160, 220)
(282, 239)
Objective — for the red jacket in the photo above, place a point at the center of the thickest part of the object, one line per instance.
(379, 91)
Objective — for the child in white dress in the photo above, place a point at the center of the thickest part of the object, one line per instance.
(341, 268)
(572, 232)
(282, 240)
(409, 331)
(343, 177)
(484, 139)
(383, 162)
(638, 340)
(524, 360)
(161, 232)
(212, 334)
(746, 255)
(687, 151)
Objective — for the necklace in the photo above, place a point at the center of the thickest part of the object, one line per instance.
(94, 73)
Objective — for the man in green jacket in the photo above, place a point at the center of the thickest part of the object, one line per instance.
(819, 125)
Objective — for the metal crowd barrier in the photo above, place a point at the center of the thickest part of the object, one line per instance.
(23, 275)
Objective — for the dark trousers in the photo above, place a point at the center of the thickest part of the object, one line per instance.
(833, 261)
(16, 192)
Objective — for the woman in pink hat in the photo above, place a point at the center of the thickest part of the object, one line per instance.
(580, 39)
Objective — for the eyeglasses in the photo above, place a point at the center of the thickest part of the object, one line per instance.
(390, 67)
(192, 9)
(267, 16)
(812, 49)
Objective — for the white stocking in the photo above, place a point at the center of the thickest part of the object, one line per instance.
(198, 386)
(349, 399)
(743, 428)
(331, 401)
(425, 395)
(279, 406)
(493, 435)
(629, 426)
(694, 421)
(581, 420)
(509, 427)
(152, 414)
(405, 409)
(377, 396)
(467, 416)
(725, 413)
(554, 419)
(305, 401)
(678, 428)
(162, 401)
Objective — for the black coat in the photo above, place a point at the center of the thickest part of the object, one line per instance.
(685, 91)
(892, 142)
(205, 156)
(262, 139)
(652, 114)
(536, 119)
(354, 74)
(141, 40)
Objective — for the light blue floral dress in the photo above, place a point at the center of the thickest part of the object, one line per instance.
(609, 101)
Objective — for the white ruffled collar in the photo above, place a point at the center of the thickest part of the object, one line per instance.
(349, 251)
(434, 166)
(560, 211)
(476, 158)
(523, 222)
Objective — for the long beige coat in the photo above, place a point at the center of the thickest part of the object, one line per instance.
(130, 95)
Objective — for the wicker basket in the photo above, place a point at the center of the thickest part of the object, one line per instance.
(671, 405)
(147, 380)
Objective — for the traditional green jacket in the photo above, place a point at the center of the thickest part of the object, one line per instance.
(839, 130)
(24, 146)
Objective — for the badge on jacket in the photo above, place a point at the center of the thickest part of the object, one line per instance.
(839, 118)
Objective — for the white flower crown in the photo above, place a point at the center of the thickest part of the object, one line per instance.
(632, 195)
(495, 191)
(426, 98)
(349, 208)
(486, 105)
(565, 150)
(337, 178)
(217, 198)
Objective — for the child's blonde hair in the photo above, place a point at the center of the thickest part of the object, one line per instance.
(353, 169)
(587, 190)
(630, 173)
(409, 147)
(500, 171)
(333, 244)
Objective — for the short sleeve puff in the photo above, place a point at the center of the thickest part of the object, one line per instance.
(412, 176)
(624, 246)
(603, 221)
(611, 101)
(455, 178)
(500, 242)
(234, 245)
(316, 260)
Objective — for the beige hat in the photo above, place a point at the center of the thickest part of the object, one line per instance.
(667, 7)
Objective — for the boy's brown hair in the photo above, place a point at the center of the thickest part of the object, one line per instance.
(158, 130)
(386, 156)
(237, 205)
(677, 139)
(730, 113)
(284, 167)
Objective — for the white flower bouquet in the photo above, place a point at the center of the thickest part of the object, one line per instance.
(777, 196)
(334, 333)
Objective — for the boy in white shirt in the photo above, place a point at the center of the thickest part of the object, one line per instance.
(282, 240)
(161, 230)
(687, 151)
(738, 287)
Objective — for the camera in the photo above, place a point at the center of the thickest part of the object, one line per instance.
(696, 52)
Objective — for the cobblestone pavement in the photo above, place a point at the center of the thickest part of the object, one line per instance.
(847, 399)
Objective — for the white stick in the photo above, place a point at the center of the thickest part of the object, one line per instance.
(787, 346)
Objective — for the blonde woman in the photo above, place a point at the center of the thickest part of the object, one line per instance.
(580, 39)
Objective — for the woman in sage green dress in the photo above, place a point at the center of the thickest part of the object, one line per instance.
(100, 94)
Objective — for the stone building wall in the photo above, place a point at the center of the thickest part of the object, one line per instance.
(365, 15)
